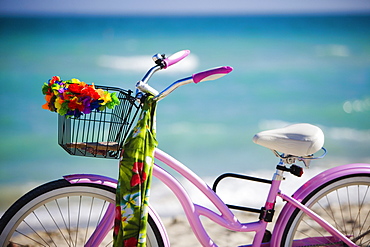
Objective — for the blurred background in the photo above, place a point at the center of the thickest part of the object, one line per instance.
(293, 62)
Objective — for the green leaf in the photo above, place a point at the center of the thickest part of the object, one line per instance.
(45, 88)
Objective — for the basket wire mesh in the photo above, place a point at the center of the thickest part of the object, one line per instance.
(101, 133)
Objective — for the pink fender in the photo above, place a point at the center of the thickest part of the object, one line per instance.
(107, 181)
(308, 187)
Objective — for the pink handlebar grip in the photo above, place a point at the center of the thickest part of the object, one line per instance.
(174, 58)
(211, 74)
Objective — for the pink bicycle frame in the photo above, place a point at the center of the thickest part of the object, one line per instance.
(226, 218)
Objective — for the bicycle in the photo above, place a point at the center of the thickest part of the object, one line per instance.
(331, 209)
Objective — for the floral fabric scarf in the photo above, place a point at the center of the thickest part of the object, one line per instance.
(134, 180)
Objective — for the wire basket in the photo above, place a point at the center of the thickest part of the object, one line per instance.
(101, 133)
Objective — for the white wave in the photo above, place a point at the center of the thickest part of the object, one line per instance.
(348, 134)
(141, 64)
(272, 124)
(335, 133)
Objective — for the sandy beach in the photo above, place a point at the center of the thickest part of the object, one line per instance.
(181, 235)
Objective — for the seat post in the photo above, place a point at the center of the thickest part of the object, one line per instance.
(268, 210)
(275, 186)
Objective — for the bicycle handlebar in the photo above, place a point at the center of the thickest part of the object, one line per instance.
(207, 75)
(211, 74)
(174, 58)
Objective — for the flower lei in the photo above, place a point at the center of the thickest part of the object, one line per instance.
(75, 98)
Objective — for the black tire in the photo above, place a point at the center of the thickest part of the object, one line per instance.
(59, 213)
(344, 203)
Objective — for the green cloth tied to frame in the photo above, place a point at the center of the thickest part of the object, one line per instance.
(135, 173)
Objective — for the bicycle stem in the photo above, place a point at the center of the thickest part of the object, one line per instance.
(143, 86)
(150, 73)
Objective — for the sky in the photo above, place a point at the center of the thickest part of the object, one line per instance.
(180, 7)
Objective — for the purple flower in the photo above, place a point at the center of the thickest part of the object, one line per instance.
(75, 113)
(95, 104)
(61, 90)
(86, 103)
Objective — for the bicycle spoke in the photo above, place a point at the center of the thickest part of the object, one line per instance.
(101, 213)
(63, 221)
(56, 224)
(324, 239)
(344, 230)
(110, 243)
(88, 221)
(69, 219)
(78, 219)
(28, 237)
(43, 227)
(362, 205)
(35, 233)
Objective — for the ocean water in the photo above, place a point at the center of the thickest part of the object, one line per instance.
(287, 69)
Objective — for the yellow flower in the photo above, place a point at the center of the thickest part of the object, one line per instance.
(75, 81)
(106, 97)
(55, 88)
(58, 103)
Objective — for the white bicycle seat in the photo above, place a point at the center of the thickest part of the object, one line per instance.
(297, 139)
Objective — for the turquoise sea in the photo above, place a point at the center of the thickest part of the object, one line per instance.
(287, 69)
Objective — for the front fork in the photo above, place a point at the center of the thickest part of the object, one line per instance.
(107, 222)
(101, 231)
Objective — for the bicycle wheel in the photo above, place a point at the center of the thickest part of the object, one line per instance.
(62, 214)
(344, 203)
